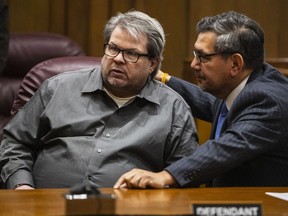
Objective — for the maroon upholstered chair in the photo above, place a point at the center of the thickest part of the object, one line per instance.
(25, 51)
(28, 49)
(44, 70)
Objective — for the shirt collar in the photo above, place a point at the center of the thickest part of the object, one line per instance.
(94, 82)
(149, 91)
(232, 96)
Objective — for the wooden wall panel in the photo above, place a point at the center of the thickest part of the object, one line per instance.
(120, 6)
(270, 14)
(282, 33)
(57, 18)
(28, 15)
(99, 13)
(77, 21)
(83, 21)
(172, 15)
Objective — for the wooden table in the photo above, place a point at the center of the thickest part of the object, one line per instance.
(153, 201)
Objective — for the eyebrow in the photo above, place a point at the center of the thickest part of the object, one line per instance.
(201, 52)
(198, 50)
(130, 49)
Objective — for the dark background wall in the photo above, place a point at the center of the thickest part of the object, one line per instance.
(83, 20)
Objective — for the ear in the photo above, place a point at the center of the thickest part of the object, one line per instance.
(154, 63)
(237, 64)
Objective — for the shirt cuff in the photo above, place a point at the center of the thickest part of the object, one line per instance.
(20, 177)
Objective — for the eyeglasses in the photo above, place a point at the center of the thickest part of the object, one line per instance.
(205, 57)
(128, 55)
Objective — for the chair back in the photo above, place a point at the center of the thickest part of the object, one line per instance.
(25, 51)
(28, 49)
(44, 70)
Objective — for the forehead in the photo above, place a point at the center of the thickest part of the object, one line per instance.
(205, 41)
(124, 39)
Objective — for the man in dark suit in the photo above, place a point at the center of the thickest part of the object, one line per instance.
(251, 148)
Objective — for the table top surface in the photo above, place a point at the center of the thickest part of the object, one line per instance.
(146, 201)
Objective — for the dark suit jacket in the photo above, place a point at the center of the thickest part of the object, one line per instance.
(253, 147)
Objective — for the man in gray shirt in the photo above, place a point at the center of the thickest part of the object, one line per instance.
(96, 124)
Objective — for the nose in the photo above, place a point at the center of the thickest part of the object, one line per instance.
(119, 57)
(194, 62)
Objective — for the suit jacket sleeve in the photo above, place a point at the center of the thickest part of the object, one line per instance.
(201, 103)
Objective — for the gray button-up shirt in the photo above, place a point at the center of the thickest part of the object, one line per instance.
(72, 131)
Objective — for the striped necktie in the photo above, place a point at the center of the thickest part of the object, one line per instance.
(221, 118)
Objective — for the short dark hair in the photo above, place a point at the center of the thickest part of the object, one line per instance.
(236, 33)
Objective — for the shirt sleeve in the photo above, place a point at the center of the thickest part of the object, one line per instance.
(183, 138)
(21, 141)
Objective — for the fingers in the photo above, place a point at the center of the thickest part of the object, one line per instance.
(130, 179)
(24, 187)
(122, 181)
(138, 178)
(139, 181)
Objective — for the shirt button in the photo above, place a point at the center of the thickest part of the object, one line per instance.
(107, 135)
(99, 150)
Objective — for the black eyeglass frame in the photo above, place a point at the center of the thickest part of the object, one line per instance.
(201, 56)
(123, 51)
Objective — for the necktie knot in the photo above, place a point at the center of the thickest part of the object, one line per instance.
(221, 118)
